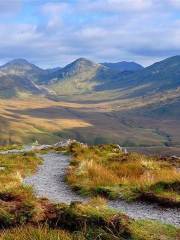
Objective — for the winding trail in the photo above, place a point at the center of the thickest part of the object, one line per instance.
(49, 182)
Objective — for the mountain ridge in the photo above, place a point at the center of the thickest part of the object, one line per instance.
(84, 76)
(91, 103)
(124, 66)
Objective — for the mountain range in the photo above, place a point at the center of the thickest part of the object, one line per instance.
(128, 98)
(85, 76)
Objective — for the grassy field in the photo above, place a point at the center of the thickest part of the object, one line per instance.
(107, 171)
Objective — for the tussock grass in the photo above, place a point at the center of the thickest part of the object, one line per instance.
(10, 147)
(17, 202)
(25, 217)
(17, 166)
(35, 233)
(107, 170)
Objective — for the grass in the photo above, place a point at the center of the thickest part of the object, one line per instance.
(152, 230)
(48, 121)
(106, 170)
(11, 147)
(17, 202)
(16, 166)
(92, 220)
(36, 233)
(25, 217)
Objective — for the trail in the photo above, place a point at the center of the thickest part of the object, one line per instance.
(49, 182)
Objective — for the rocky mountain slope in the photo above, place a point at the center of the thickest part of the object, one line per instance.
(91, 102)
(85, 76)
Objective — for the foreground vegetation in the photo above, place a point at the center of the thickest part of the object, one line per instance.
(107, 171)
(11, 147)
(23, 216)
(87, 221)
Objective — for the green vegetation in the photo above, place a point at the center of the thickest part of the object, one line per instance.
(17, 202)
(10, 147)
(25, 217)
(107, 171)
(152, 230)
(87, 221)
(36, 233)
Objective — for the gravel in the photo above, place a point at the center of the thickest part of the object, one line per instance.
(49, 182)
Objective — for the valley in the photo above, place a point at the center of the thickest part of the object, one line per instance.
(91, 102)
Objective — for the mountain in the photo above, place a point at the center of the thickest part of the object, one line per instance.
(53, 70)
(19, 76)
(22, 68)
(85, 76)
(98, 104)
(159, 77)
(81, 76)
(124, 66)
(13, 85)
(78, 66)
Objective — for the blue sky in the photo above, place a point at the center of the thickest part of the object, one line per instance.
(54, 32)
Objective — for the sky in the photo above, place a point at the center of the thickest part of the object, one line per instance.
(53, 33)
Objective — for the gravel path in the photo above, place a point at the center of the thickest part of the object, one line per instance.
(49, 182)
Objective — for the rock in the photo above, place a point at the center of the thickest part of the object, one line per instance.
(119, 147)
(125, 151)
(66, 143)
(41, 147)
(175, 157)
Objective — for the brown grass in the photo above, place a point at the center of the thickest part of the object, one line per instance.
(106, 166)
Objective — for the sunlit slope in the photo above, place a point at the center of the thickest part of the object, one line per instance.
(48, 121)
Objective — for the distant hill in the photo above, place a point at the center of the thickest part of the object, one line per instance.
(53, 70)
(124, 66)
(19, 76)
(160, 76)
(98, 103)
(22, 68)
(12, 85)
(83, 76)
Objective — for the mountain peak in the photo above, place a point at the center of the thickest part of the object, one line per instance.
(19, 64)
(78, 66)
(18, 61)
(83, 61)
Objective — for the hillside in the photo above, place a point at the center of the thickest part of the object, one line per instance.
(124, 66)
(22, 68)
(12, 85)
(81, 76)
(91, 103)
(161, 76)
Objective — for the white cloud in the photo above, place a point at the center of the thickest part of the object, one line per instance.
(54, 11)
(102, 30)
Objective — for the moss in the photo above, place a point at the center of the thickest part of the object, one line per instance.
(153, 230)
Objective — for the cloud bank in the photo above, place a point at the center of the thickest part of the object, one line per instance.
(53, 33)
